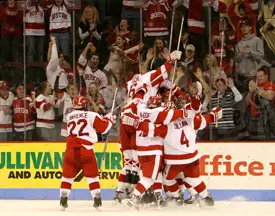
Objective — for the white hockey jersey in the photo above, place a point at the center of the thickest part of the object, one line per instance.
(150, 81)
(180, 146)
(66, 105)
(45, 111)
(6, 119)
(93, 76)
(60, 18)
(148, 145)
(83, 126)
(53, 69)
(34, 22)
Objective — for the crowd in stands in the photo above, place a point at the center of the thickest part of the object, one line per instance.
(52, 50)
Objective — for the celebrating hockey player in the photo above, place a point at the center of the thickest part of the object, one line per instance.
(181, 154)
(82, 128)
(140, 88)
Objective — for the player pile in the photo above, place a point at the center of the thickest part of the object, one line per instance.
(158, 142)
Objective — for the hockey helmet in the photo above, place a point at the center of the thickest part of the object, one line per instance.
(80, 102)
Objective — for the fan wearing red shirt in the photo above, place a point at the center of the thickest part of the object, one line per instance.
(262, 87)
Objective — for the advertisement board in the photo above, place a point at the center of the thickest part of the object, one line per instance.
(230, 170)
(39, 165)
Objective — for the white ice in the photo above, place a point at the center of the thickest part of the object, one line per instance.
(83, 208)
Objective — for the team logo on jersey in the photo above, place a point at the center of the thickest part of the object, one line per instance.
(158, 15)
(59, 15)
(3, 107)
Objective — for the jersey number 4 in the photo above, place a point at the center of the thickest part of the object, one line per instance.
(183, 139)
(72, 125)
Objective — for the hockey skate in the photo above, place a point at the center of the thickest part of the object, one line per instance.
(207, 201)
(118, 197)
(193, 200)
(63, 201)
(159, 200)
(148, 197)
(97, 201)
(134, 202)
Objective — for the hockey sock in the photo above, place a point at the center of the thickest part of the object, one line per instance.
(94, 185)
(66, 185)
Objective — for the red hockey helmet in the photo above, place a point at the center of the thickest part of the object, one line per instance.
(80, 102)
(154, 102)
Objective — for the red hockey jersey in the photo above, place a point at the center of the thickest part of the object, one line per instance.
(19, 110)
(156, 18)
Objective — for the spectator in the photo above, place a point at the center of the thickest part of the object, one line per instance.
(226, 50)
(121, 30)
(108, 92)
(158, 55)
(249, 54)
(193, 12)
(229, 32)
(95, 100)
(185, 40)
(6, 100)
(155, 23)
(44, 105)
(115, 63)
(60, 24)
(23, 107)
(245, 12)
(267, 30)
(11, 32)
(131, 12)
(191, 65)
(226, 97)
(66, 104)
(254, 4)
(35, 33)
(77, 79)
(56, 65)
(88, 27)
(260, 100)
(101, 5)
(212, 71)
(91, 72)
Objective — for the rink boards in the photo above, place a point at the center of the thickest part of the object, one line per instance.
(240, 170)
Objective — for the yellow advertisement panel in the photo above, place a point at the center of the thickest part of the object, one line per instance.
(39, 165)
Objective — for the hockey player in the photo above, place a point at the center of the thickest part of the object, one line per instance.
(140, 88)
(150, 151)
(82, 128)
(181, 154)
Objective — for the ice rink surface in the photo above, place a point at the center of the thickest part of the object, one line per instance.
(83, 208)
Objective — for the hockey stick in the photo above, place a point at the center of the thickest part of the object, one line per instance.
(106, 142)
(176, 61)
(221, 28)
(172, 29)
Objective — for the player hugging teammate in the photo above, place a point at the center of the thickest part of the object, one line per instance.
(159, 142)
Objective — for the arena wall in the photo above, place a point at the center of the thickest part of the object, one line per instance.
(232, 171)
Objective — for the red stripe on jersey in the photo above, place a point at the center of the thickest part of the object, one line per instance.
(180, 157)
(35, 26)
(46, 121)
(150, 148)
(5, 125)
